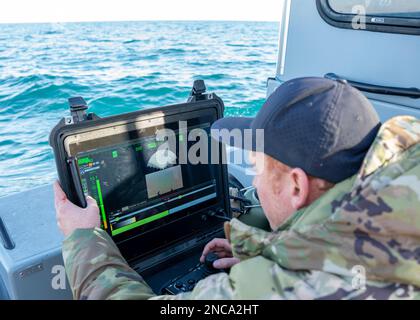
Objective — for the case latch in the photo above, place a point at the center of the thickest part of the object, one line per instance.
(198, 91)
(78, 107)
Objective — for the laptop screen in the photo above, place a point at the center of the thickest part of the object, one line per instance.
(141, 179)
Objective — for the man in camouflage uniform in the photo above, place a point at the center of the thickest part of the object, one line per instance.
(358, 240)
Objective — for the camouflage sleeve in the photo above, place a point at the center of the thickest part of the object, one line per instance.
(96, 270)
(214, 287)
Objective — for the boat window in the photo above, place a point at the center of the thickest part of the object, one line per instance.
(395, 16)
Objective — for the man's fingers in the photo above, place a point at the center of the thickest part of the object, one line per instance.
(225, 263)
(218, 246)
(223, 254)
(216, 243)
(91, 202)
(59, 196)
(59, 193)
(209, 247)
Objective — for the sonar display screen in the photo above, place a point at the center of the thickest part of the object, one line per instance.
(134, 191)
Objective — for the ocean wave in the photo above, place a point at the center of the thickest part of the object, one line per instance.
(171, 51)
(132, 41)
(52, 32)
(117, 68)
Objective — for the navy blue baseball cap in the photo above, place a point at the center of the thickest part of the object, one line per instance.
(324, 127)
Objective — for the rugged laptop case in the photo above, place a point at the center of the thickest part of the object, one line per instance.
(172, 253)
(80, 121)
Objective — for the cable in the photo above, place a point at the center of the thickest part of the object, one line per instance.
(212, 213)
(241, 199)
(222, 218)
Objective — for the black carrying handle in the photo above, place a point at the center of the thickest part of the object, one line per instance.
(76, 180)
(413, 93)
(5, 236)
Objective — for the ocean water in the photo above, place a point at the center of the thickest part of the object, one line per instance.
(117, 67)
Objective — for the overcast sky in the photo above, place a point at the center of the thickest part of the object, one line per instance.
(122, 10)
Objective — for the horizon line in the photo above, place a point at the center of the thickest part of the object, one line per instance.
(143, 20)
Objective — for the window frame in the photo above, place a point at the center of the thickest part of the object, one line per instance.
(375, 23)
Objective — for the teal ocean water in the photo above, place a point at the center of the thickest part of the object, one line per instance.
(118, 67)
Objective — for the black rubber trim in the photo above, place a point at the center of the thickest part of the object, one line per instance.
(410, 26)
(413, 93)
(271, 79)
(5, 236)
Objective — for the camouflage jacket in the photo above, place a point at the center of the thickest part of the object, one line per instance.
(361, 240)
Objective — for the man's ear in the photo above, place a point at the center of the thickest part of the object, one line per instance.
(300, 188)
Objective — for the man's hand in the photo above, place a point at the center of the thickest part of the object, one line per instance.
(71, 217)
(223, 249)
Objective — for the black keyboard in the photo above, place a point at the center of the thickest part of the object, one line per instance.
(187, 281)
